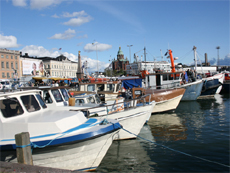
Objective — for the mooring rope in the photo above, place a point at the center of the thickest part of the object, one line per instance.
(174, 149)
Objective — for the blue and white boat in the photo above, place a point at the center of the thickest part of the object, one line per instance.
(210, 86)
(70, 140)
(132, 118)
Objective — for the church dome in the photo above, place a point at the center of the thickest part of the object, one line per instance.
(120, 52)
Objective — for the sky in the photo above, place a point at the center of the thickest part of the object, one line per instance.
(98, 28)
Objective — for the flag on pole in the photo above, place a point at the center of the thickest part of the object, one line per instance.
(59, 48)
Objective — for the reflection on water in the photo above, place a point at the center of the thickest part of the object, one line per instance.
(167, 127)
(129, 155)
(200, 128)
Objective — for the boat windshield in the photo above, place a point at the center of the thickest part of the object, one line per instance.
(57, 95)
(110, 87)
(91, 87)
(90, 100)
(98, 100)
(30, 103)
(79, 101)
(10, 107)
(41, 101)
(65, 94)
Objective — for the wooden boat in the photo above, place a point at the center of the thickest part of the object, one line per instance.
(66, 139)
(166, 99)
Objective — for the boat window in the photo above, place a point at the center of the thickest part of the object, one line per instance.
(41, 101)
(78, 101)
(30, 103)
(91, 87)
(110, 87)
(98, 100)
(90, 100)
(10, 107)
(100, 87)
(57, 95)
(165, 77)
(46, 97)
(118, 87)
(65, 94)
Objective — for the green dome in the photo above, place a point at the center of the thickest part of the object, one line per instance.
(120, 52)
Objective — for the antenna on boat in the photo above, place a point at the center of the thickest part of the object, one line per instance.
(162, 55)
(194, 49)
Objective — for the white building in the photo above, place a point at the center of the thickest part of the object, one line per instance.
(58, 67)
(150, 66)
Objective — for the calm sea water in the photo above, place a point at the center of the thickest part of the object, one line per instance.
(198, 128)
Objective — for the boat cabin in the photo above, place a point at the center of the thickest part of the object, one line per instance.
(162, 80)
(105, 89)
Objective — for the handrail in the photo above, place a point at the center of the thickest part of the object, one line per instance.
(140, 98)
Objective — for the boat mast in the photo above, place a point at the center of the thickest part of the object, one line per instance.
(195, 60)
(145, 57)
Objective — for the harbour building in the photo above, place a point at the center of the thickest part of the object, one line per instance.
(10, 64)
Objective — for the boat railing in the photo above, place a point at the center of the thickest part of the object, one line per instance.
(127, 104)
(165, 86)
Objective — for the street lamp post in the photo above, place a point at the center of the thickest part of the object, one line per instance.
(129, 51)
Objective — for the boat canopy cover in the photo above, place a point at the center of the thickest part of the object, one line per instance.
(131, 83)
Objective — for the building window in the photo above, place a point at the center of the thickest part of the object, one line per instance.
(3, 75)
(7, 56)
(16, 65)
(2, 56)
(16, 57)
(7, 64)
(12, 75)
(8, 75)
(11, 56)
(3, 65)
(12, 65)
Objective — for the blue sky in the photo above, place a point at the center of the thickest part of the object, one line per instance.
(41, 27)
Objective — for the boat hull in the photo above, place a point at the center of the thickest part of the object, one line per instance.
(132, 120)
(226, 87)
(193, 90)
(166, 99)
(210, 87)
(85, 155)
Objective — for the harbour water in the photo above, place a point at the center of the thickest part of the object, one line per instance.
(193, 138)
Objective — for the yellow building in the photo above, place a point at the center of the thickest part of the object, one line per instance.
(10, 64)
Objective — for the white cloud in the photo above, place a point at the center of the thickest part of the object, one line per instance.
(78, 21)
(8, 41)
(225, 61)
(40, 51)
(20, 3)
(55, 16)
(74, 14)
(96, 47)
(40, 4)
(68, 34)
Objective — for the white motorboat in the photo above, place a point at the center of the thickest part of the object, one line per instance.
(70, 140)
(131, 118)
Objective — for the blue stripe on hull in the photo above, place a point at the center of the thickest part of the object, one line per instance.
(72, 139)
